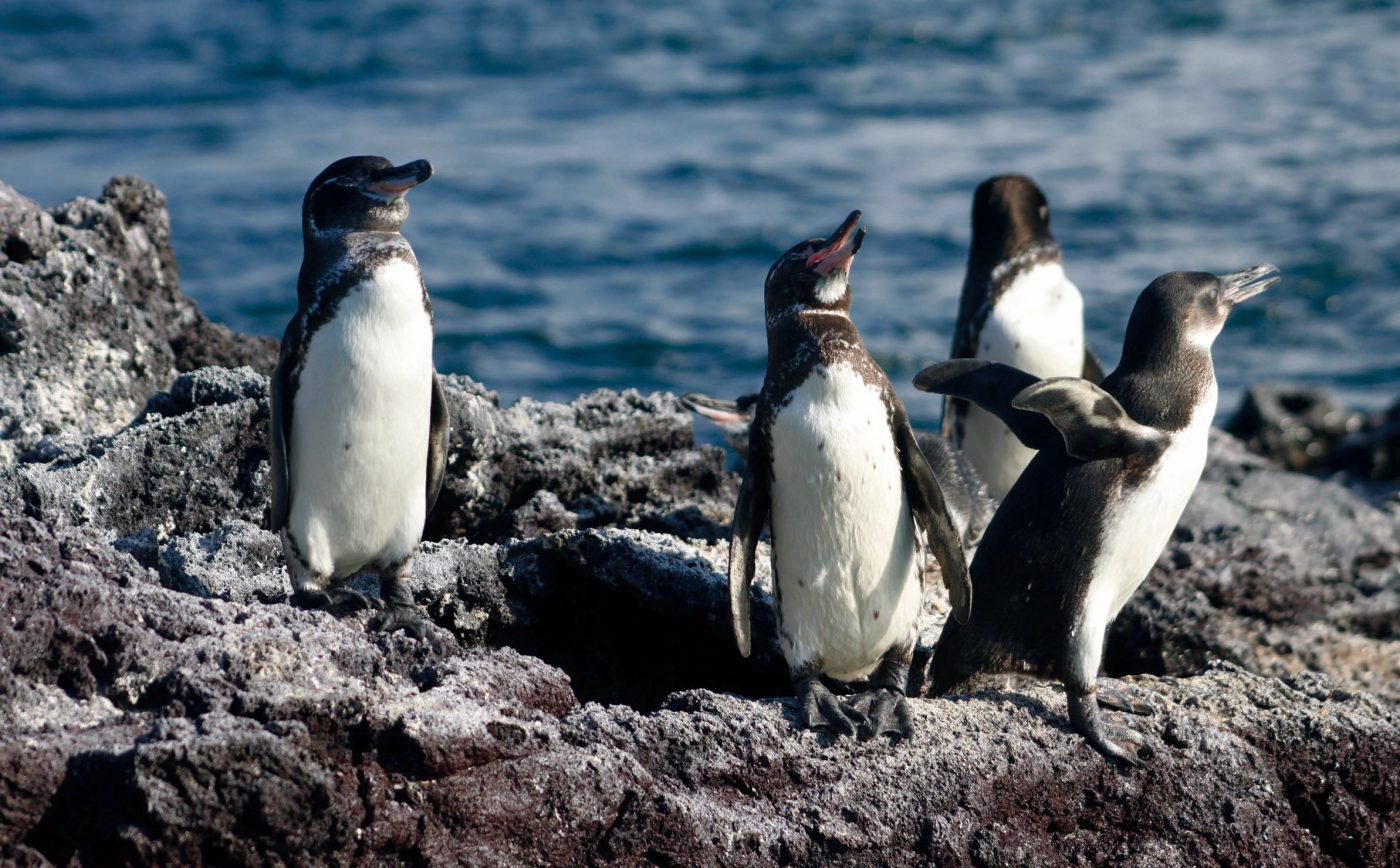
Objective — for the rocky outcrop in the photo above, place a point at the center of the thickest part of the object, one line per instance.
(143, 724)
(92, 321)
(581, 700)
(1306, 428)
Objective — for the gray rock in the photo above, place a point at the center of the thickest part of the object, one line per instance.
(603, 459)
(92, 320)
(1307, 428)
(142, 724)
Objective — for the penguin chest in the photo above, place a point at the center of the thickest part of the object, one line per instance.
(844, 552)
(1037, 325)
(1138, 522)
(359, 445)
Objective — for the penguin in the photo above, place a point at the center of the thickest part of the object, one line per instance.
(1084, 524)
(969, 503)
(359, 424)
(834, 469)
(1017, 307)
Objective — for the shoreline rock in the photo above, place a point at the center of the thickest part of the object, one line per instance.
(161, 703)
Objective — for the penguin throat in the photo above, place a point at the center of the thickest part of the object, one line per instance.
(831, 286)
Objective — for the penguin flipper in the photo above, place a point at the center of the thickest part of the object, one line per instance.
(931, 514)
(750, 513)
(438, 429)
(1093, 371)
(991, 386)
(1091, 421)
(282, 393)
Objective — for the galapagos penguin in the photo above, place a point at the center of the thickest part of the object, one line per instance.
(833, 466)
(1018, 307)
(1085, 522)
(359, 425)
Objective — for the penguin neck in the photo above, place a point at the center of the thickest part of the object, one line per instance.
(338, 242)
(805, 317)
(1163, 385)
(993, 271)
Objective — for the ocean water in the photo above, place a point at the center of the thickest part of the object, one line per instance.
(614, 178)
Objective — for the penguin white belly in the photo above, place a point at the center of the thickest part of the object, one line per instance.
(1140, 523)
(844, 549)
(359, 446)
(1038, 326)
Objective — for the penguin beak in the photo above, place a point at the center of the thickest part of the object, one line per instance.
(840, 249)
(728, 415)
(397, 180)
(1241, 285)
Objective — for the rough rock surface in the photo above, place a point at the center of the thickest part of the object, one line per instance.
(92, 321)
(1307, 428)
(142, 724)
(582, 702)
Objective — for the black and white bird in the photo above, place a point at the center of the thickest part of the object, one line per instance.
(1018, 307)
(1081, 528)
(833, 466)
(969, 503)
(359, 422)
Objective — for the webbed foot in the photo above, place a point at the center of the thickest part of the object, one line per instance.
(406, 618)
(821, 709)
(337, 601)
(886, 713)
(1116, 742)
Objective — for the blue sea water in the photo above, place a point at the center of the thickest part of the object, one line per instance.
(614, 178)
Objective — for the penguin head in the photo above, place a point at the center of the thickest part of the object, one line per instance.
(815, 273)
(1188, 309)
(361, 194)
(1009, 214)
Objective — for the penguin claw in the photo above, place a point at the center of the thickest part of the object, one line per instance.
(1115, 742)
(1124, 744)
(822, 710)
(405, 618)
(337, 601)
(886, 712)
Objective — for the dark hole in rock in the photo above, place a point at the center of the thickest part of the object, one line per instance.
(17, 250)
(617, 649)
(1134, 646)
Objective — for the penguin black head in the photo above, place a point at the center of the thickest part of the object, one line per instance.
(361, 194)
(1009, 214)
(1187, 309)
(815, 273)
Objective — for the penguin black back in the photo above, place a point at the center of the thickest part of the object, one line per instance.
(1009, 215)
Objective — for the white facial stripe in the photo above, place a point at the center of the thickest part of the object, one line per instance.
(832, 285)
(1205, 337)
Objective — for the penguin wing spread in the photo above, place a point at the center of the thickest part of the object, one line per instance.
(1091, 421)
(991, 386)
(750, 513)
(283, 392)
(438, 428)
(930, 512)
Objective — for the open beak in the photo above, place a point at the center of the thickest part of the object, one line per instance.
(1248, 283)
(726, 414)
(394, 182)
(840, 249)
